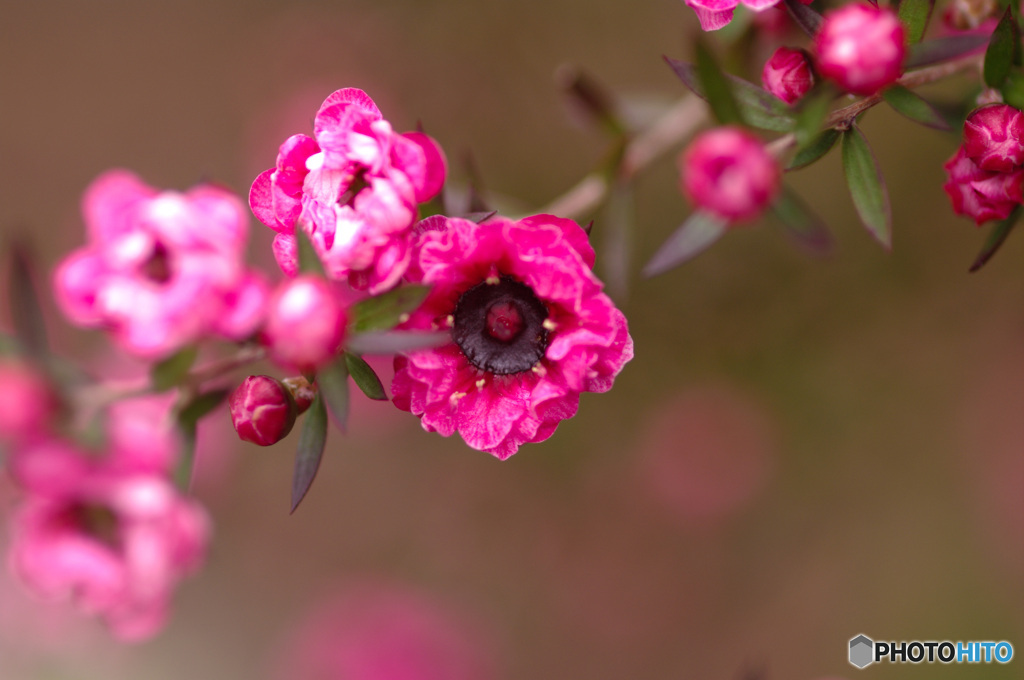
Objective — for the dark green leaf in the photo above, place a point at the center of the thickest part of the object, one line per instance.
(309, 261)
(332, 381)
(1003, 50)
(171, 371)
(617, 239)
(200, 406)
(915, 15)
(26, 311)
(812, 115)
(387, 310)
(364, 377)
(716, 88)
(914, 107)
(479, 217)
(394, 342)
(694, 236)
(188, 419)
(312, 440)
(806, 18)
(995, 239)
(759, 108)
(801, 224)
(815, 150)
(1013, 89)
(943, 49)
(867, 188)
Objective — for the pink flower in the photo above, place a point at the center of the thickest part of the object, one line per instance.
(788, 75)
(27, 403)
(161, 269)
(994, 137)
(115, 541)
(980, 194)
(728, 172)
(861, 47)
(714, 14)
(354, 190)
(305, 323)
(262, 410)
(530, 326)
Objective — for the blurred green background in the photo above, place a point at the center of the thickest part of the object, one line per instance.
(801, 451)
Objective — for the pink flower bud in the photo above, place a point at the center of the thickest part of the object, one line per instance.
(980, 194)
(305, 323)
(302, 392)
(26, 401)
(262, 410)
(861, 47)
(994, 137)
(728, 172)
(788, 75)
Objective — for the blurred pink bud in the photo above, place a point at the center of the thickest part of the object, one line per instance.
(861, 47)
(305, 323)
(262, 410)
(26, 401)
(994, 137)
(728, 172)
(788, 74)
(980, 194)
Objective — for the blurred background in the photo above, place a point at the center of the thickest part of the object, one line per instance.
(802, 450)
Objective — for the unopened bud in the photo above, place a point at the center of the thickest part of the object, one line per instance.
(302, 392)
(861, 47)
(262, 410)
(305, 323)
(788, 75)
(994, 137)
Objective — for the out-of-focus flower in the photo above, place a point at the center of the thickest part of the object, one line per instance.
(980, 194)
(262, 410)
(530, 328)
(971, 15)
(714, 14)
(994, 137)
(161, 269)
(114, 541)
(353, 188)
(788, 74)
(27, 403)
(305, 323)
(861, 47)
(728, 172)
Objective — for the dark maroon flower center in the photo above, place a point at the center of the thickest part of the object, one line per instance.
(97, 521)
(357, 184)
(499, 326)
(158, 267)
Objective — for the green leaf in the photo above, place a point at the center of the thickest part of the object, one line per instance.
(867, 188)
(695, 235)
(812, 115)
(995, 239)
(1013, 88)
(332, 381)
(915, 15)
(716, 88)
(806, 18)
(312, 440)
(364, 377)
(803, 226)
(815, 149)
(171, 371)
(26, 310)
(617, 239)
(914, 107)
(759, 108)
(942, 49)
(1003, 50)
(187, 420)
(386, 311)
(309, 261)
(394, 342)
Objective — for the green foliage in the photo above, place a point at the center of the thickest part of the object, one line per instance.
(915, 15)
(312, 440)
(914, 107)
(693, 237)
(332, 381)
(716, 88)
(867, 188)
(995, 239)
(171, 371)
(384, 312)
(801, 224)
(364, 377)
(309, 261)
(1004, 50)
(815, 149)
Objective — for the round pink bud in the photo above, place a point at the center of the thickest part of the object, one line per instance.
(788, 74)
(861, 47)
(994, 137)
(980, 194)
(728, 172)
(262, 410)
(26, 401)
(305, 323)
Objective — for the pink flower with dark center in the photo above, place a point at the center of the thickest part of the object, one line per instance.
(980, 194)
(262, 410)
(861, 47)
(727, 171)
(161, 269)
(353, 188)
(994, 137)
(715, 14)
(305, 323)
(788, 75)
(530, 328)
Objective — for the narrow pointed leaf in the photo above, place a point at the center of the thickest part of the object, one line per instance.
(943, 49)
(309, 261)
(759, 108)
(480, 217)
(200, 406)
(384, 312)
(995, 239)
(617, 239)
(187, 420)
(171, 371)
(26, 310)
(693, 237)
(312, 440)
(815, 149)
(915, 15)
(812, 115)
(1013, 89)
(867, 188)
(394, 342)
(365, 377)
(717, 89)
(806, 18)
(804, 227)
(914, 107)
(332, 381)
(1003, 50)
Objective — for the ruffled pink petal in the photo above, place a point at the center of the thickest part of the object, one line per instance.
(422, 160)
(261, 200)
(110, 203)
(286, 252)
(76, 283)
(571, 231)
(245, 307)
(759, 5)
(711, 20)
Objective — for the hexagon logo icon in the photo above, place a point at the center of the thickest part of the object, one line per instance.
(861, 651)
